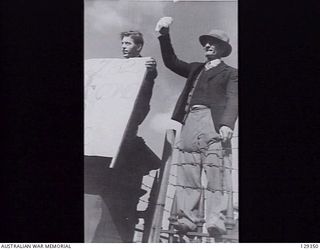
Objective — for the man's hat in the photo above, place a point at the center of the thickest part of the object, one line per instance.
(218, 36)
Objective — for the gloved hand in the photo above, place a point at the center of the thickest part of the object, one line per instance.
(163, 25)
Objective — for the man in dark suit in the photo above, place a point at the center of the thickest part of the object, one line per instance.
(207, 109)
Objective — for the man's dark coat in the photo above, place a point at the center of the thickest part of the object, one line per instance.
(222, 87)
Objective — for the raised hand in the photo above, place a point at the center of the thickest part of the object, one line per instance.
(163, 25)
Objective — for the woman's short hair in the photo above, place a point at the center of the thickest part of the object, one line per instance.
(136, 36)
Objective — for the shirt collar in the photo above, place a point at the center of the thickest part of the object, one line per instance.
(212, 63)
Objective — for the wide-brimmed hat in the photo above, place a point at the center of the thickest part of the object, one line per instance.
(218, 36)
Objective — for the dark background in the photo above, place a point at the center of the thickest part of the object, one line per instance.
(42, 121)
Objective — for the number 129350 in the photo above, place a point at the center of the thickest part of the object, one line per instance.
(309, 245)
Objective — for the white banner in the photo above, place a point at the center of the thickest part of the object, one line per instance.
(110, 90)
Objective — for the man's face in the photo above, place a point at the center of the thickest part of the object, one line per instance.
(212, 50)
(129, 48)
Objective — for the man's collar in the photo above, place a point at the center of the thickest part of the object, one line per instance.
(212, 64)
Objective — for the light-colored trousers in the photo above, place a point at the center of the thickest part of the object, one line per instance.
(200, 150)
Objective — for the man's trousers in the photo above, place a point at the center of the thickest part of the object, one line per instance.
(200, 151)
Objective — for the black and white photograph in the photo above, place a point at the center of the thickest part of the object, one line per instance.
(161, 121)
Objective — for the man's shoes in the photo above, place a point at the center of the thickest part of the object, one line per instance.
(216, 232)
(181, 228)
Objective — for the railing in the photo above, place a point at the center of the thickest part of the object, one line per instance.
(153, 216)
(156, 222)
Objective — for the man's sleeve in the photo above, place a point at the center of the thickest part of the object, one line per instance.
(142, 106)
(170, 59)
(231, 110)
